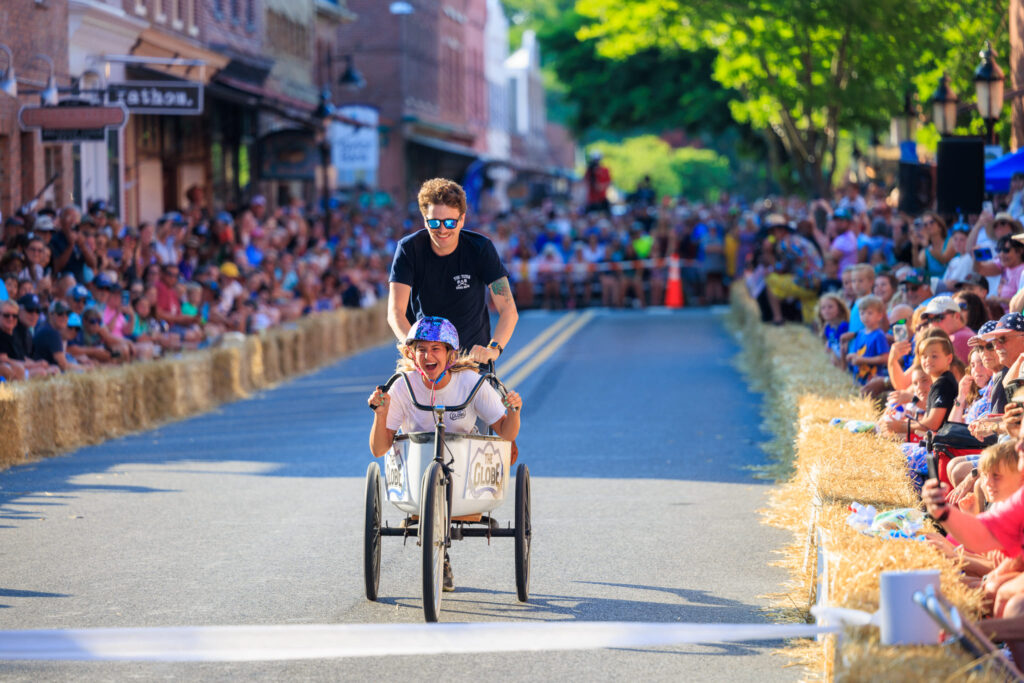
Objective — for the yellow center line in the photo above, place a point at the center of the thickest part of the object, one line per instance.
(531, 348)
(524, 372)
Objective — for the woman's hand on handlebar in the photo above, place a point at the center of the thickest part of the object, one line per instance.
(379, 399)
(512, 401)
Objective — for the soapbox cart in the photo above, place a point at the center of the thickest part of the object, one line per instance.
(448, 485)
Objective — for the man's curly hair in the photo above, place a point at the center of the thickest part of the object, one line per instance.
(442, 191)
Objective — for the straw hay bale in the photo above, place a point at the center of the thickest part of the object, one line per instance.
(43, 417)
(824, 469)
(226, 373)
(12, 427)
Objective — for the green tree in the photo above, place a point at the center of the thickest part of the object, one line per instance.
(693, 173)
(805, 71)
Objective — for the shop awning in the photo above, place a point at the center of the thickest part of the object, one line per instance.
(445, 146)
(155, 43)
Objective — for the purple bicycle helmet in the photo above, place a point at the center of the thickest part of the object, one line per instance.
(434, 328)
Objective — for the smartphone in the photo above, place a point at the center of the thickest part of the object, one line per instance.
(986, 206)
(933, 465)
(126, 297)
(983, 254)
(900, 333)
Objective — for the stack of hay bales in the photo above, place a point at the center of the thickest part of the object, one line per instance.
(49, 416)
(825, 469)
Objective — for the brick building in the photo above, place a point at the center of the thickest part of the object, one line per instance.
(30, 28)
(425, 74)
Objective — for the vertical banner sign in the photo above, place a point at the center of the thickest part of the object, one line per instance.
(355, 146)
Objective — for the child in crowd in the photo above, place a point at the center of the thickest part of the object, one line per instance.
(833, 320)
(894, 419)
(935, 355)
(869, 349)
(962, 264)
(996, 478)
(863, 280)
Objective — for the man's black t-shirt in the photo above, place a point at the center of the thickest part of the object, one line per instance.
(942, 394)
(998, 398)
(47, 344)
(76, 262)
(23, 339)
(10, 345)
(452, 286)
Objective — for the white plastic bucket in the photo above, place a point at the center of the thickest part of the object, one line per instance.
(901, 620)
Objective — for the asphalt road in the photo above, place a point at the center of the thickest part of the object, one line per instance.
(638, 434)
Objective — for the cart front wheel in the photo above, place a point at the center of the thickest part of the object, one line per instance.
(433, 536)
(371, 532)
(523, 532)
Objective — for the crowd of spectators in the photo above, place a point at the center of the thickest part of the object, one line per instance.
(82, 288)
(925, 312)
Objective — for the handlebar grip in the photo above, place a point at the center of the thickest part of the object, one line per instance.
(380, 387)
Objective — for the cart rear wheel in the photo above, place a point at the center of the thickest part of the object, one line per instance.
(371, 532)
(433, 533)
(523, 532)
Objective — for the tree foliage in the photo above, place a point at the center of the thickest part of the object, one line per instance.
(690, 172)
(807, 70)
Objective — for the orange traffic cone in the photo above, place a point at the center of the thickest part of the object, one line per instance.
(674, 287)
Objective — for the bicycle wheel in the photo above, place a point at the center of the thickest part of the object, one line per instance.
(523, 532)
(433, 535)
(371, 532)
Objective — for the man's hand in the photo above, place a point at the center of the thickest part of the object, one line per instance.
(483, 354)
(899, 349)
(933, 494)
(1011, 418)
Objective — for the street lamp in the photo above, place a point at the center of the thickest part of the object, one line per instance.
(323, 113)
(944, 103)
(49, 95)
(8, 83)
(903, 125)
(988, 83)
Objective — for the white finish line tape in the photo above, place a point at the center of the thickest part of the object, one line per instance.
(320, 641)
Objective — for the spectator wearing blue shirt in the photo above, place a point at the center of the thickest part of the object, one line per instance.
(868, 351)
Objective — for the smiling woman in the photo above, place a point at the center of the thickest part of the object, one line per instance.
(431, 351)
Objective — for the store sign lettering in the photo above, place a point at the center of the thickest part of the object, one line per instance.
(168, 97)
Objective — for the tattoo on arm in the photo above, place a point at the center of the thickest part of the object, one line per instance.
(500, 287)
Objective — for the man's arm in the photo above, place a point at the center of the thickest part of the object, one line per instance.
(508, 316)
(398, 304)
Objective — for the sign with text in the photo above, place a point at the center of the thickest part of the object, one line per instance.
(355, 145)
(183, 98)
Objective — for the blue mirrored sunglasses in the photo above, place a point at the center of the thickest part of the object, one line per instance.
(436, 223)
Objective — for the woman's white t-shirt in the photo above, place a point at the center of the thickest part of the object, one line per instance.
(402, 413)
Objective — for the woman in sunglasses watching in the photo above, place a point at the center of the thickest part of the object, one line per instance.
(446, 271)
(1011, 264)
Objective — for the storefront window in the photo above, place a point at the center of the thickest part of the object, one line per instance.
(244, 168)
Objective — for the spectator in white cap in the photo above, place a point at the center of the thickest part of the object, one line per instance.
(944, 313)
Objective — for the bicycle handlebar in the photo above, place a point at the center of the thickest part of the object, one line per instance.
(502, 391)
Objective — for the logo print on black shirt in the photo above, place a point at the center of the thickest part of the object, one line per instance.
(461, 281)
